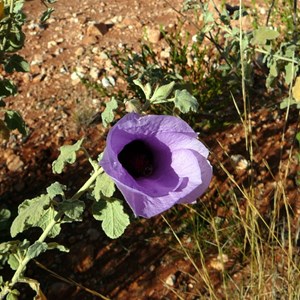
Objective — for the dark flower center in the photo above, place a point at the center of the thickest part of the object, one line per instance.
(137, 158)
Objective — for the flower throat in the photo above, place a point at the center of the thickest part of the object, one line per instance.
(137, 158)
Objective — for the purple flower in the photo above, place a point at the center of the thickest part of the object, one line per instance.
(156, 162)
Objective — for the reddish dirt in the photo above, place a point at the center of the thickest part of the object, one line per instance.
(146, 262)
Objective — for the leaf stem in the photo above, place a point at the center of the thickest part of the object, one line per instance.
(278, 56)
(78, 194)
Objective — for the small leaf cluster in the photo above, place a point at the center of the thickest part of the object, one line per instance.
(182, 99)
(12, 39)
(55, 207)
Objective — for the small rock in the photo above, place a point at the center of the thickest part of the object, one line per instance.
(94, 73)
(51, 44)
(14, 163)
(89, 40)
(239, 162)
(154, 35)
(171, 280)
(165, 54)
(79, 51)
(108, 81)
(96, 29)
(37, 59)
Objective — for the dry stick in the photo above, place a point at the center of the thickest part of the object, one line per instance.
(270, 11)
(70, 281)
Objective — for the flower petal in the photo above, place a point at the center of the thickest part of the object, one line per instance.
(181, 170)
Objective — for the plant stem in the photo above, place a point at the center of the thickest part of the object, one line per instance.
(278, 56)
(78, 194)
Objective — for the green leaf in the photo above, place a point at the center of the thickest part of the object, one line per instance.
(111, 213)
(4, 215)
(185, 102)
(263, 34)
(13, 261)
(72, 209)
(298, 137)
(105, 185)
(7, 88)
(67, 156)
(147, 90)
(161, 94)
(13, 295)
(16, 63)
(14, 120)
(29, 214)
(108, 113)
(4, 220)
(46, 15)
(56, 189)
(49, 215)
(36, 249)
(289, 73)
(54, 245)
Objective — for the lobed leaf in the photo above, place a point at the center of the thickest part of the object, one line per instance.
(185, 102)
(36, 249)
(161, 93)
(17, 63)
(29, 214)
(67, 156)
(72, 209)
(13, 295)
(114, 219)
(147, 90)
(13, 120)
(48, 216)
(107, 115)
(263, 34)
(13, 261)
(105, 185)
(56, 189)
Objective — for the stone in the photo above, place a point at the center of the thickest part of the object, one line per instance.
(14, 163)
(154, 35)
(96, 29)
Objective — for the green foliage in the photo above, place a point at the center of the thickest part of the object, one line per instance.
(114, 220)
(104, 185)
(26, 218)
(13, 120)
(12, 39)
(264, 34)
(56, 189)
(36, 249)
(46, 15)
(182, 100)
(16, 63)
(185, 102)
(67, 156)
(73, 209)
(108, 113)
(161, 93)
